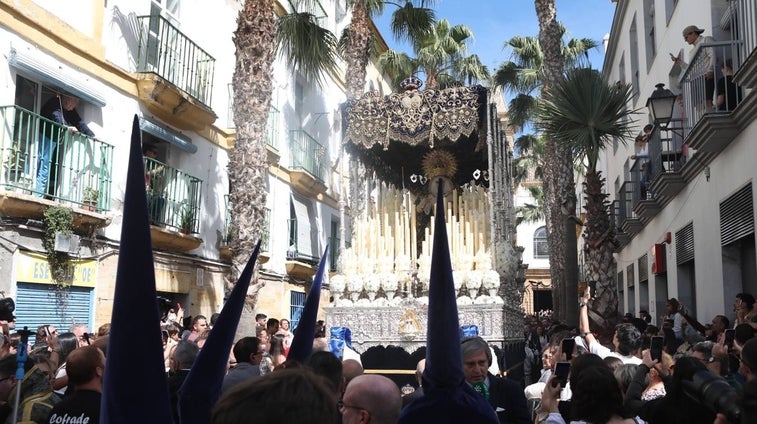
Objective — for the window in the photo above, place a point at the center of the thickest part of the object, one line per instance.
(168, 9)
(296, 305)
(634, 39)
(670, 7)
(541, 247)
(650, 43)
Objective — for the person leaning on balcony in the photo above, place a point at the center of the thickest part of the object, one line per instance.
(729, 94)
(693, 35)
(154, 184)
(60, 109)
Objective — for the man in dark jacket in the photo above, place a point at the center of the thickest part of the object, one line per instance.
(60, 109)
(505, 396)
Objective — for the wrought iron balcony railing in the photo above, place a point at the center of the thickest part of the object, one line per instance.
(272, 128)
(173, 197)
(706, 89)
(78, 167)
(168, 53)
(628, 197)
(308, 154)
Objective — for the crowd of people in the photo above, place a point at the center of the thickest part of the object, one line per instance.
(678, 371)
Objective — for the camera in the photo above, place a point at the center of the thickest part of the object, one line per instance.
(7, 306)
(164, 304)
(714, 393)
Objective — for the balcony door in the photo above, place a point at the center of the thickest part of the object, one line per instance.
(161, 37)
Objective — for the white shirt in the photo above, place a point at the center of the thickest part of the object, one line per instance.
(603, 352)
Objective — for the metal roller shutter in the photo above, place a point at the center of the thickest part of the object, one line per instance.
(685, 244)
(737, 216)
(36, 305)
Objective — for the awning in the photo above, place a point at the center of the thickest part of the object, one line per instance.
(57, 74)
(182, 141)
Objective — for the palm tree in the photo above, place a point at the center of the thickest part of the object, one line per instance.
(260, 34)
(441, 54)
(585, 113)
(409, 21)
(537, 64)
(531, 212)
(523, 75)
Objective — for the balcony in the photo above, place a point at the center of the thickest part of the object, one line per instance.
(299, 265)
(79, 170)
(309, 163)
(175, 76)
(710, 130)
(628, 196)
(173, 203)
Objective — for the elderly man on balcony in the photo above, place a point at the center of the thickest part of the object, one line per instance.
(693, 36)
(61, 109)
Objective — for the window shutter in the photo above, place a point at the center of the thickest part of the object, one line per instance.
(737, 216)
(685, 244)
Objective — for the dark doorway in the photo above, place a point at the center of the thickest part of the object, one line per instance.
(542, 300)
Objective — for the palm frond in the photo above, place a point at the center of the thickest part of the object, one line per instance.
(306, 46)
(410, 23)
(586, 112)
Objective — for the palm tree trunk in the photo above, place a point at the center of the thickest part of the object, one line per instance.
(600, 243)
(357, 51)
(254, 40)
(560, 192)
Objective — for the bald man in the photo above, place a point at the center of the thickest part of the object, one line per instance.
(351, 369)
(371, 398)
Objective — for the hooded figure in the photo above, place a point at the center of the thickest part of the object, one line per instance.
(447, 397)
(202, 387)
(135, 379)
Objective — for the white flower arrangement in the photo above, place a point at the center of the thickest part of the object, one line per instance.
(338, 283)
(355, 284)
(389, 282)
(490, 280)
(475, 279)
(371, 283)
(464, 300)
(458, 277)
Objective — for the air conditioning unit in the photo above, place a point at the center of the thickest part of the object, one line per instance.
(67, 243)
(657, 258)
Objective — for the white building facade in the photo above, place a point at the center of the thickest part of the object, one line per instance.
(158, 60)
(683, 202)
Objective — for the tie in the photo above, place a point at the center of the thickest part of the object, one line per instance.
(482, 389)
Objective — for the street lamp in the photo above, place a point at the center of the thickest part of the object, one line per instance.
(660, 105)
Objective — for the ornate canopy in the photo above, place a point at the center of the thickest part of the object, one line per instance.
(392, 134)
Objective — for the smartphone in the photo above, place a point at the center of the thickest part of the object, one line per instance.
(655, 348)
(672, 56)
(562, 369)
(729, 334)
(593, 288)
(568, 344)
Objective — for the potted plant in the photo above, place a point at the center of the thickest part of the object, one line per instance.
(187, 219)
(89, 198)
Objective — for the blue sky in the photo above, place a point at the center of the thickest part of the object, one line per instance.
(495, 21)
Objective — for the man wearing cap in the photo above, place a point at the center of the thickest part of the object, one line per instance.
(505, 396)
(693, 36)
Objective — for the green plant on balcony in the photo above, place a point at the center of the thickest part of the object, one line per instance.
(57, 219)
(89, 198)
(186, 223)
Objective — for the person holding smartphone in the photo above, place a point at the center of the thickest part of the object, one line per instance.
(627, 339)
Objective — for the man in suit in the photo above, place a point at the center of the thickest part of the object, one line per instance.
(505, 396)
